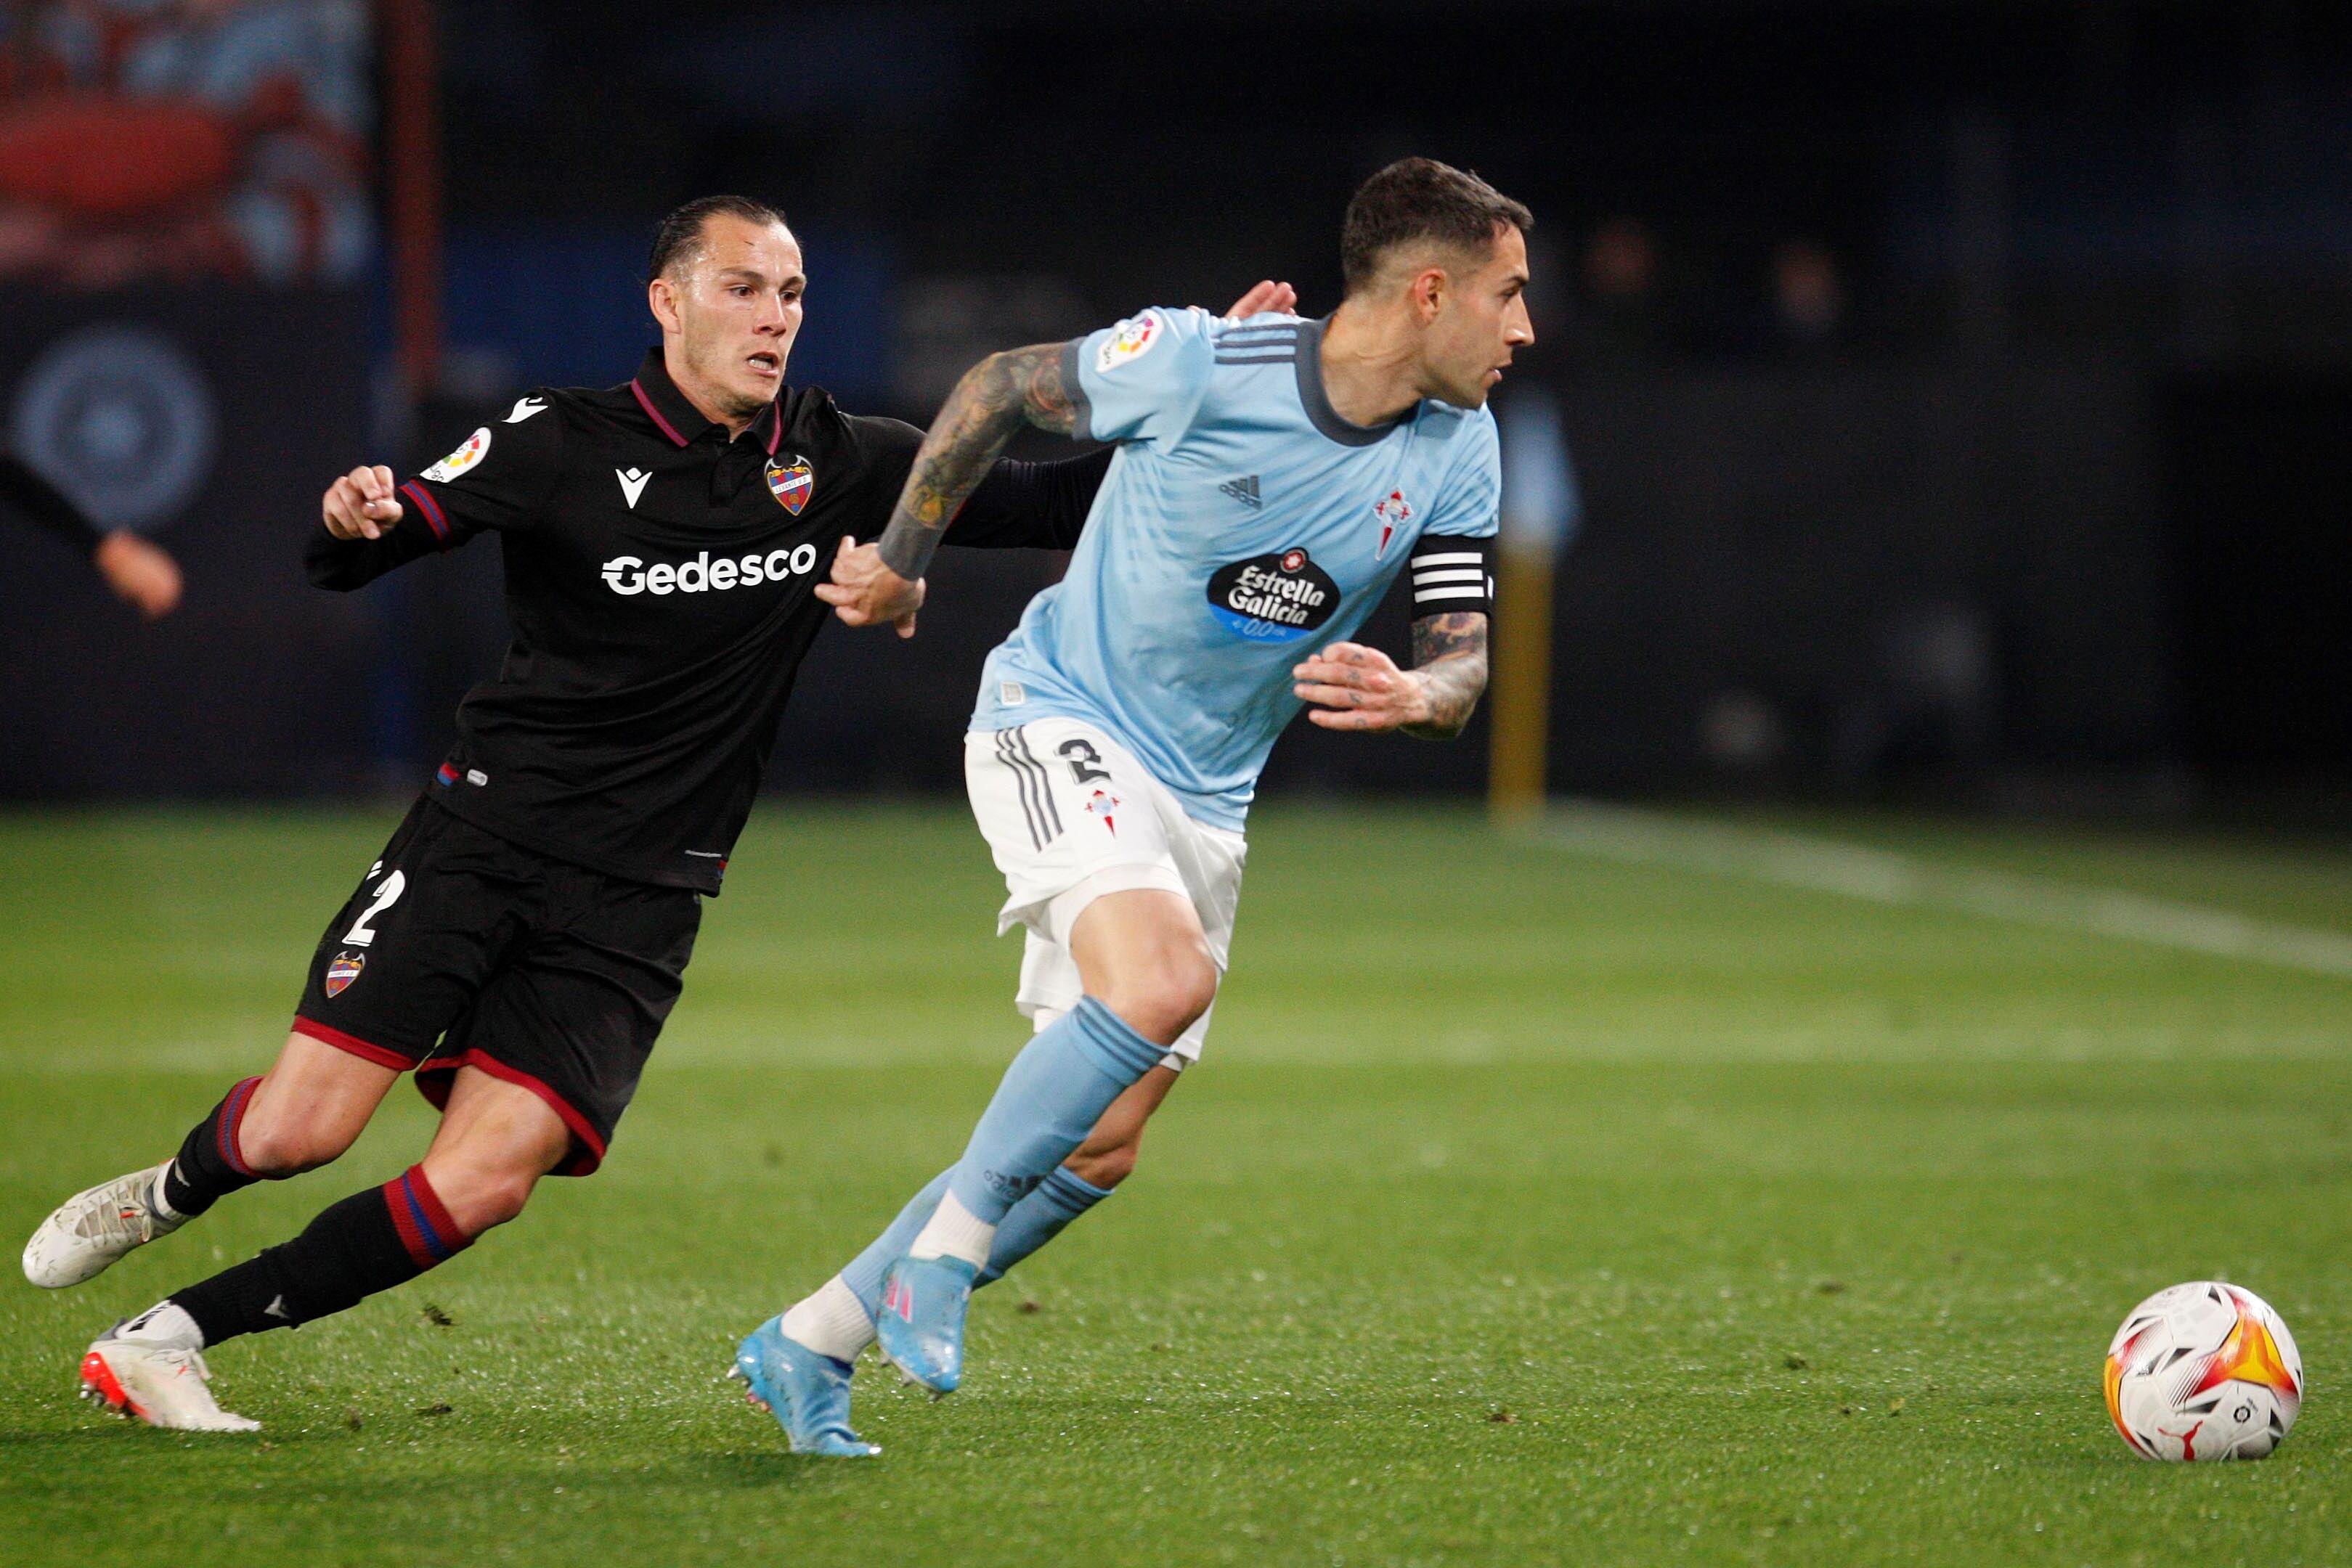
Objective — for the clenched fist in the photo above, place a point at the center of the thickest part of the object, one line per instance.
(359, 505)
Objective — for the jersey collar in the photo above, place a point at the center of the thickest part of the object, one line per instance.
(681, 421)
(1317, 402)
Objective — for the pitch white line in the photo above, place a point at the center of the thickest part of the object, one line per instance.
(1883, 876)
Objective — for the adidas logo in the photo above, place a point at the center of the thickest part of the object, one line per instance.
(1242, 490)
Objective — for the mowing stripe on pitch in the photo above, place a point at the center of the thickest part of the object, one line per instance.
(1885, 876)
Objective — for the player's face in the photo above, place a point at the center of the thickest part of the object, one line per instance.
(737, 307)
(1481, 321)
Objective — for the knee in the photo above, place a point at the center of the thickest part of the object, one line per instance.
(479, 1199)
(271, 1147)
(1167, 1000)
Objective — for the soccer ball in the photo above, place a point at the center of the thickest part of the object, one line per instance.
(2203, 1371)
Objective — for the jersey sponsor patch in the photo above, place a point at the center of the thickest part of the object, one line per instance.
(1393, 511)
(1278, 597)
(791, 482)
(629, 574)
(1130, 340)
(476, 447)
(345, 968)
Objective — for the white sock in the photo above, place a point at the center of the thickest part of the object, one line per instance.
(166, 1325)
(155, 1201)
(955, 1231)
(831, 1322)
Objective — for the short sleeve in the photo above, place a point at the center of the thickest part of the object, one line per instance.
(1470, 506)
(1141, 378)
(499, 477)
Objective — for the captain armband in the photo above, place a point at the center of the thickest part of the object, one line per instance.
(1452, 576)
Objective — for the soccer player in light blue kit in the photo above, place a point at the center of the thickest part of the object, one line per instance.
(1274, 475)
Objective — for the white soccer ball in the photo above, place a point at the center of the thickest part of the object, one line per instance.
(2203, 1371)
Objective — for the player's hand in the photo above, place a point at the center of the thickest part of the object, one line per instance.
(1264, 296)
(141, 574)
(864, 592)
(1358, 687)
(359, 505)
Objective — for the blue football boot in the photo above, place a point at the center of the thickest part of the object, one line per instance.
(921, 1322)
(808, 1393)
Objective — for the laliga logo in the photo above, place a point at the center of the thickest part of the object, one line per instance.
(702, 574)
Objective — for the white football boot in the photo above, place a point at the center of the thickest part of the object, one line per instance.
(91, 1229)
(162, 1385)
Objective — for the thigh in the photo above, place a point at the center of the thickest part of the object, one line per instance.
(411, 947)
(571, 1017)
(315, 1097)
(1064, 807)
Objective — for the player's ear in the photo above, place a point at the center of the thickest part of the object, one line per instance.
(1429, 290)
(661, 298)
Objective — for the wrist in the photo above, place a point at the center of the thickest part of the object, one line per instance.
(905, 548)
(1422, 709)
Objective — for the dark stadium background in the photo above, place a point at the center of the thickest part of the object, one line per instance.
(1958, 392)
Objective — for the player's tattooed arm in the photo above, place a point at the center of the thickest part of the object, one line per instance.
(1449, 653)
(994, 401)
(1357, 687)
(884, 581)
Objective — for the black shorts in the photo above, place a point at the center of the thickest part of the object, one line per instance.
(459, 949)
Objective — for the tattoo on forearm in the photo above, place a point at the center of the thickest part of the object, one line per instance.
(995, 398)
(1450, 652)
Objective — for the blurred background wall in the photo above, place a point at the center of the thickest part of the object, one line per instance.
(1957, 394)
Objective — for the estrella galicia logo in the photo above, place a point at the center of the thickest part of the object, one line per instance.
(1273, 598)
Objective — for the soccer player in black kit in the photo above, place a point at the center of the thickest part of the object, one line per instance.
(523, 935)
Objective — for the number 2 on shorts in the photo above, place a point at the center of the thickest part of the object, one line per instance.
(1080, 754)
(362, 934)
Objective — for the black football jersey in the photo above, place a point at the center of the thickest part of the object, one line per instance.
(659, 578)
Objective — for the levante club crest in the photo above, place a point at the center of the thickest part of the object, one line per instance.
(791, 482)
(343, 971)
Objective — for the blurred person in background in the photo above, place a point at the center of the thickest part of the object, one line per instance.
(1808, 295)
(141, 574)
(1620, 317)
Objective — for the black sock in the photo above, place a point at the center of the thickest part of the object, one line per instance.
(369, 1242)
(209, 1166)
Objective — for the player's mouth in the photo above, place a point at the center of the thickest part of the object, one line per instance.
(764, 363)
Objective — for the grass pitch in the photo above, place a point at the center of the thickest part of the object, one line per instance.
(1528, 1208)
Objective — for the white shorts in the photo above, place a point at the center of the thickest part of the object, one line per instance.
(1071, 815)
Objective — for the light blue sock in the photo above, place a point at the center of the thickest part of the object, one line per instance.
(864, 1275)
(1051, 1096)
(1036, 1219)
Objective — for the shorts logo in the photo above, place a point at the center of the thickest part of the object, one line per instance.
(1130, 340)
(1393, 511)
(343, 971)
(1104, 804)
(791, 482)
(1275, 598)
(476, 447)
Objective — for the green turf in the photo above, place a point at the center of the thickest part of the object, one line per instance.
(1528, 1209)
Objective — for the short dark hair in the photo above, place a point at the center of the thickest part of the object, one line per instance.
(681, 229)
(1420, 198)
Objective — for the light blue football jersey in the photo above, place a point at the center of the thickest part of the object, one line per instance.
(1243, 524)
